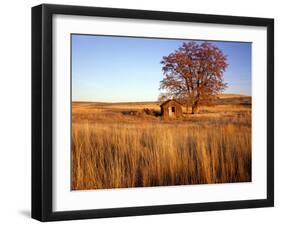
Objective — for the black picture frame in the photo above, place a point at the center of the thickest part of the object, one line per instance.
(42, 107)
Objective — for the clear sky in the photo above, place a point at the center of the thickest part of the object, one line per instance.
(125, 69)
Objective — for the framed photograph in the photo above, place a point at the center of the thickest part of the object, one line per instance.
(146, 112)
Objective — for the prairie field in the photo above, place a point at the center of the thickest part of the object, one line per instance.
(121, 145)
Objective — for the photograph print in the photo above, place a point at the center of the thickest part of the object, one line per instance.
(159, 112)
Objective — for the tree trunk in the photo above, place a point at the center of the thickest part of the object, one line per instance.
(186, 109)
(194, 107)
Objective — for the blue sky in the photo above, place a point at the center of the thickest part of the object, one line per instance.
(124, 69)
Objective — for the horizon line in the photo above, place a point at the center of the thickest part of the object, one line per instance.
(243, 95)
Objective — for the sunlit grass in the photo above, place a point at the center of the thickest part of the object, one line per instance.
(111, 150)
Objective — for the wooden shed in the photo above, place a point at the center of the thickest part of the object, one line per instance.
(171, 109)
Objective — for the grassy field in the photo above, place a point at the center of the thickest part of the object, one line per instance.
(117, 145)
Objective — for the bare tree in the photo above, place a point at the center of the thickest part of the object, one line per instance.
(193, 74)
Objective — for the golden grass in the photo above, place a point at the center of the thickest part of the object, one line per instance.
(112, 150)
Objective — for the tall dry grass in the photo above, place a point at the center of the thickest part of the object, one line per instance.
(118, 155)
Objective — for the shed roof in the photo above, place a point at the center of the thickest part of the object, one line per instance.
(167, 101)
